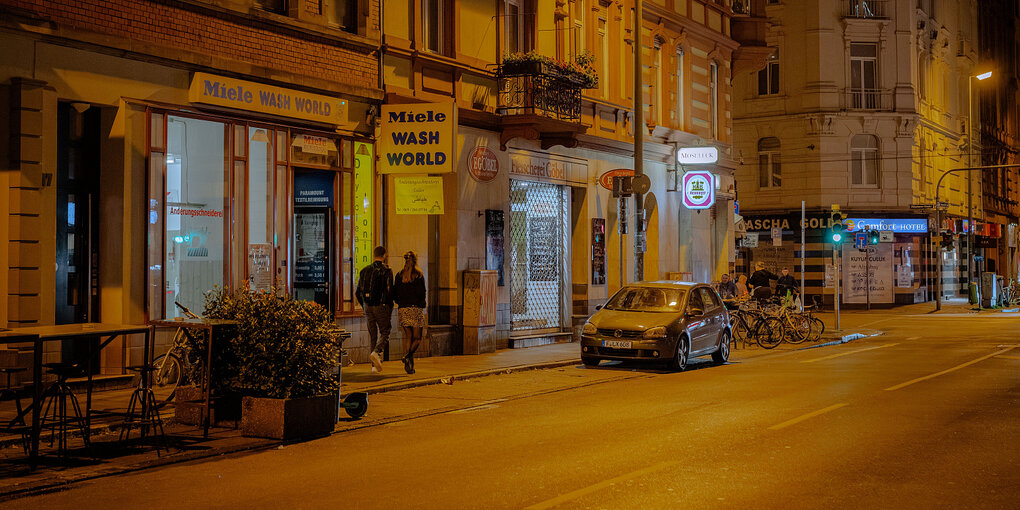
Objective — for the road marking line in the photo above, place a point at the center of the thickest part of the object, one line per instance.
(823, 358)
(807, 416)
(1008, 357)
(914, 338)
(559, 500)
(946, 371)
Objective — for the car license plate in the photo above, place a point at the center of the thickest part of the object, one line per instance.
(616, 344)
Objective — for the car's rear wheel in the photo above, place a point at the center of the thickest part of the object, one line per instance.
(590, 362)
(722, 354)
(683, 350)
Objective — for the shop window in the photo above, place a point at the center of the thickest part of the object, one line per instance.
(770, 174)
(864, 160)
(195, 219)
(314, 151)
(260, 212)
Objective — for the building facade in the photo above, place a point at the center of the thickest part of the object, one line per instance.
(157, 150)
(524, 198)
(998, 25)
(863, 105)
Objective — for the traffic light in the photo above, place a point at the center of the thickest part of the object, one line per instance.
(838, 230)
(873, 237)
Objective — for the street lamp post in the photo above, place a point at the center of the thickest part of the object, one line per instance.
(970, 184)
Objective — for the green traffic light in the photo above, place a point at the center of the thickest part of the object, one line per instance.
(837, 237)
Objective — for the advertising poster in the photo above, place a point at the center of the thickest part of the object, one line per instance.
(362, 204)
(856, 265)
(260, 266)
(494, 243)
(418, 195)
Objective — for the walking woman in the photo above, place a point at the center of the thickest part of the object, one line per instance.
(409, 294)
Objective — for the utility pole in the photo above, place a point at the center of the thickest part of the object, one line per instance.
(803, 248)
(639, 149)
(970, 191)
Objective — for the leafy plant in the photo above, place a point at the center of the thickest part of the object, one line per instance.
(285, 348)
(581, 70)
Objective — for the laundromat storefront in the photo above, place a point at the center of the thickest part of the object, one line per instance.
(539, 254)
(235, 201)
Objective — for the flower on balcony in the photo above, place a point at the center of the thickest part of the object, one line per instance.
(580, 71)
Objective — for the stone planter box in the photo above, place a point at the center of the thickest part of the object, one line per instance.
(288, 418)
(223, 410)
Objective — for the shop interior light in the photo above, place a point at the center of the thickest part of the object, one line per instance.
(178, 239)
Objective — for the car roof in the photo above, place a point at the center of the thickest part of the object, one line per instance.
(666, 284)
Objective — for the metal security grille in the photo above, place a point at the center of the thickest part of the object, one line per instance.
(536, 255)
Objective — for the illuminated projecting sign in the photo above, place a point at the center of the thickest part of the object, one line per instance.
(898, 226)
(697, 155)
(699, 190)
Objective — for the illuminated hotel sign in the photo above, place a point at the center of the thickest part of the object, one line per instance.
(898, 225)
(256, 97)
(698, 190)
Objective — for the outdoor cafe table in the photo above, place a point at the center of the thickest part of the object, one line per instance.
(39, 335)
(215, 330)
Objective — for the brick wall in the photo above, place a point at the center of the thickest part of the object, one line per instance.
(163, 26)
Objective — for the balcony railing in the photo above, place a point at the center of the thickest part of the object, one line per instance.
(865, 9)
(867, 99)
(539, 90)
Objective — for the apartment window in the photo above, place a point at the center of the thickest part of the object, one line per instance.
(343, 14)
(714, 69)
(655, 95)
(433, 26)
(922, 78)
(864, 76)
(603, 57)
(577, 40)
(864, 160)
(277, 6)
(770, 172)
(768, 78)
(513, 26)
(678, 100)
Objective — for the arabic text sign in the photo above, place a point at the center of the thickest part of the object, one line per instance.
(418, 195)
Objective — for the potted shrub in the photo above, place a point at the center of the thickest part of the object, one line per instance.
(283, 363)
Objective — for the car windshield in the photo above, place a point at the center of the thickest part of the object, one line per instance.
(646, 299)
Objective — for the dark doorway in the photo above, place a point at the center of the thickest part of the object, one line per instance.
(77, 181)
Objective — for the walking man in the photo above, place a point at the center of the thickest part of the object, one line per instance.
(375, 294)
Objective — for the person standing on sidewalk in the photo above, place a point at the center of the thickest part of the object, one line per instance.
(409, 294)
(375, 294)
(759, 282)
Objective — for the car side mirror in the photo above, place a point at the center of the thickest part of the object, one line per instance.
(694, 313)
(598, 307)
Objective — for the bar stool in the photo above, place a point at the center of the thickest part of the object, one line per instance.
(8, 393)
(148, 414)
(59, 393)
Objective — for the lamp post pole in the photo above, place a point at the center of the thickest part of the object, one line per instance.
(639, 147)
(970, 187)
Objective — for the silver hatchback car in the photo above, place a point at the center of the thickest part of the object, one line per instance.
(661, 320)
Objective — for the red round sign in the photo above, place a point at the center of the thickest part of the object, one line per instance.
(483, 164)
(606, 179)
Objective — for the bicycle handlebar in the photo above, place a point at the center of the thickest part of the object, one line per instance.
(186, 311)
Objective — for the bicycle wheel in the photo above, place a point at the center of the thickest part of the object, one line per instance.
(798, 328)
(817, 328)
(740, 329)
(769, 332)
(166, 377)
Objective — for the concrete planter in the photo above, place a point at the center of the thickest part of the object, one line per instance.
(224, 410)
(288, 418)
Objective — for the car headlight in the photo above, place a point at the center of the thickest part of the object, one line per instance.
(589, 329)
(656, 332)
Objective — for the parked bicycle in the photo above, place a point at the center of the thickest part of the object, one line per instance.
(171, 368)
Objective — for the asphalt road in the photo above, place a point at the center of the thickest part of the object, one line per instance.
(923, 416)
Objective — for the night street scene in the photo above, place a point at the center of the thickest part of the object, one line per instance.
(522, 254)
